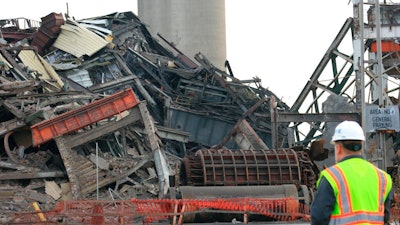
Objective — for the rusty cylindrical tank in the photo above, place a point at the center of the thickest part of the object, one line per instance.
(222, 167)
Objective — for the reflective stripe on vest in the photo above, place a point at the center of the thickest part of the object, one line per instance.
(344, 201)
(382, 186)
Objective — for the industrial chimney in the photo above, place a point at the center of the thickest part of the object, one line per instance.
(191, 25)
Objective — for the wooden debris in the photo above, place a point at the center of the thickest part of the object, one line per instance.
(52, 189)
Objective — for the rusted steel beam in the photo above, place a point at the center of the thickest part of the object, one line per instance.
(76, 119)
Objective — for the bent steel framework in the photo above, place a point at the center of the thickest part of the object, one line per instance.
(344, 85)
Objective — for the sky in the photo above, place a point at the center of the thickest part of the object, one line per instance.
(280, 42)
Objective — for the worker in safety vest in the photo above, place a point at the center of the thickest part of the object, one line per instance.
(353, 191)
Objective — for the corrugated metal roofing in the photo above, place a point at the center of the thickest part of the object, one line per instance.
(81, 77)
(78, 40)
(36, 62)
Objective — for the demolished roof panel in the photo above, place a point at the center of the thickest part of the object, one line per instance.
(78, 40)
(36, 62)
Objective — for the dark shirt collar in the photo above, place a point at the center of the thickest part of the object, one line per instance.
(351, 157)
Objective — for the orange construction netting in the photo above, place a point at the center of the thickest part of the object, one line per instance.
(152, 210)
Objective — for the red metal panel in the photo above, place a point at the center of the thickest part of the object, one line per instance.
(76, 119)
(387, 46)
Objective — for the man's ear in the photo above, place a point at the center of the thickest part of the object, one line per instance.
(339, 148)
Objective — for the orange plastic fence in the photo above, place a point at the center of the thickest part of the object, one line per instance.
(153, 210)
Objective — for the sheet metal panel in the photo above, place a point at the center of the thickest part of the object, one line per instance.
(205, 129)
(202, 129)
(78, 40)
(36, 62)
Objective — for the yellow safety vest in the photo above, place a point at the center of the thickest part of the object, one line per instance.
(358, 186)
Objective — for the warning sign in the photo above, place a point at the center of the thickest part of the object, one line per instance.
(386, 118)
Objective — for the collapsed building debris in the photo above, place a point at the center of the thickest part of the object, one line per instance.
(98, 109)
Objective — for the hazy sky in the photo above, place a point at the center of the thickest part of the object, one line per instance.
(280, 42)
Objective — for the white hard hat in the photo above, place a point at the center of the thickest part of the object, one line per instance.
(348, 130)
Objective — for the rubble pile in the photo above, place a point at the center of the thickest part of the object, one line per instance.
(62, 70)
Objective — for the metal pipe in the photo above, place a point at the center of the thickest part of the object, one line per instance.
(261, 191)
(7, 146)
